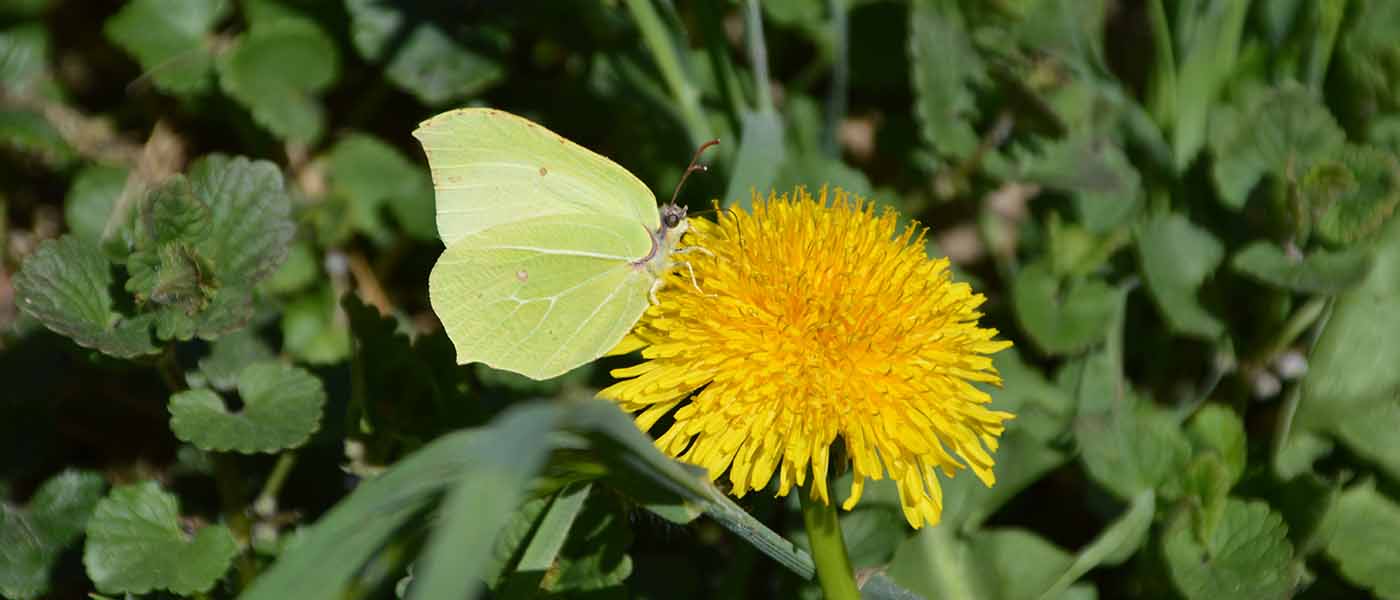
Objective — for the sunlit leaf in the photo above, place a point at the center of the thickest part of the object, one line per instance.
(1177, 256)
(1247, 554)
(1279, 132)
(945, 68)
(1320, 271)
(1365, 526)
(1061, 317)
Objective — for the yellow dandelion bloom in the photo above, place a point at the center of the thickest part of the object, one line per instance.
(809, 320)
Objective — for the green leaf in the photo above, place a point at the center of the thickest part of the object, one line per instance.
(545, 540)
(276, 70)
(1104, 185)
(1204, 72)
(1247, 555)
(945, 68)
(166, 269)
(313, 328)
(1177, 257)
(997, 564)
(251, 213)
(32, 538)
(24, 51)
(1115, 544)
(1371, 434)
(520, 530)
(1042, 409)
(761, 154)
(337, 546)
(91, 198)
(480, 502)
(1279, 132)
(1365, 525)
(169, 39)
(1207, 483)
(417, 55)
(1350, 369)
(1133, 452)
(1216, 428)
(1368, 56)
(228, 356)
(1061, 317)
(65, 285)
(281, 409)
(374, 176)
(301, 269)
(1021, 461)
(30, 133)
(1320, 272)
(136, 544)
(1354, 195)
(594, 556)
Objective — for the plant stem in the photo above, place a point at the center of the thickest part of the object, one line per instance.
(834, 572)
(668, 59)
(266, 504)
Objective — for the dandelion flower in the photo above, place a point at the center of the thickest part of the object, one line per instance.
(808, 321)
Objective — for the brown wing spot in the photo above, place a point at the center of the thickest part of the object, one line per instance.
(543, 171)
(522, 275)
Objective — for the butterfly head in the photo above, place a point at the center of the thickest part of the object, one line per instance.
(673, 219)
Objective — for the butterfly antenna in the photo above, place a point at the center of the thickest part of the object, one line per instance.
(693, 167)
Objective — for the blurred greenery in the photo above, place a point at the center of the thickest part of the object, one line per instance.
(222, 376)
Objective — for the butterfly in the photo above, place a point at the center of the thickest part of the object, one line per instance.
(553, 251)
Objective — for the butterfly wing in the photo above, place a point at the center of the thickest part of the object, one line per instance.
(491, 168)
(542, 296)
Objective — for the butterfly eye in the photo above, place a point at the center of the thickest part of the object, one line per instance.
(671, 220)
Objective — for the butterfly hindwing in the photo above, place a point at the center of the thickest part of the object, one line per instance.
(544, 295)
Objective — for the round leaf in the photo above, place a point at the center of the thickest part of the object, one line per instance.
(1176, 258)
(1248, 555)
(1061, 319)
(136, 544)
(276, 69)
(281, 409)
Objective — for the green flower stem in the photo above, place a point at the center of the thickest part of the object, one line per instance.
(266, 504)
(668, 59)
(828, 548)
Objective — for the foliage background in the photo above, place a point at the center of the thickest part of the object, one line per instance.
(1178, 209)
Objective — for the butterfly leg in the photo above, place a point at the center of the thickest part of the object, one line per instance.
(656, 285)
(692, 278)
(689, 249)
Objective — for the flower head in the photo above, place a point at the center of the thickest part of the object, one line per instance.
(806, 321)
